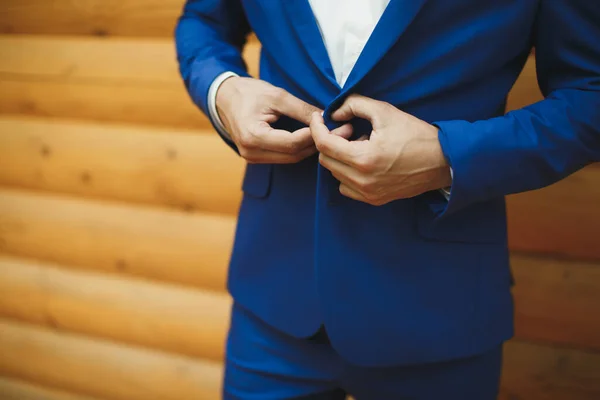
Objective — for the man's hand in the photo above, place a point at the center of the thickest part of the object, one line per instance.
(402, 158)
(248, 106)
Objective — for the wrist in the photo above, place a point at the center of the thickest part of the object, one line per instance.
(440, 164)
(225, 93)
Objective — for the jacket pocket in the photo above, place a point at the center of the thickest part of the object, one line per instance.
(257, 180)
(480, 223)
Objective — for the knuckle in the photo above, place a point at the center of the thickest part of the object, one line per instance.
(366, 163)
(321, 146)
(298, 157)
(373, 200)
(322, 160)
(276, 94)
(294, 147)
(385, 104)
(243, 152)
(247, 155)
(247, 141)
(387, 108)
(307, 109)
(367, 185)
(370, 196)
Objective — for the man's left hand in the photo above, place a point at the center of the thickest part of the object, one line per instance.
(402, 158)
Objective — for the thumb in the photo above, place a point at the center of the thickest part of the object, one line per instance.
(344, 131)
(358, 106)
(289, 105)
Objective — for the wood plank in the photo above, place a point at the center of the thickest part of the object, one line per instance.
(116, 80)
(562, 219)
(91, 17)
(192, 249)
(125, 61)
(83, 59)
(172, 318)
(103, 369)
(13, 389)
(526, 90)
(164, 167)
(135, 18)
(557, 301)
(167, 106)
(536, 372)
(166, 317)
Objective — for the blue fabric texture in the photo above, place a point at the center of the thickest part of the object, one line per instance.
(417, 280)
(263, 363)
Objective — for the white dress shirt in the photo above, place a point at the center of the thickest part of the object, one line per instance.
(345, 27)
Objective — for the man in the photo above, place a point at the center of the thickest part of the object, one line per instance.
(371, 254)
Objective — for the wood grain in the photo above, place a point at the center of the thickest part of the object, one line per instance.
(187, 248)
(101, 368)
(13, 389)
(536, 372)
(109, 60)
(166, 106)
(156, 166)
(557, 301)
(116, 80)
(562, 219)
(102, 18)
(91, 17)
(526, 90)
(161, 316)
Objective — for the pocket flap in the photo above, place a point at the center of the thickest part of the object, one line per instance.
(257, 180)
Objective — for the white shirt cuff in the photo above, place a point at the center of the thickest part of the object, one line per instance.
(212, 102)
(446, 191)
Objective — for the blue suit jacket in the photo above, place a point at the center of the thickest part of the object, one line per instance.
(421, 279)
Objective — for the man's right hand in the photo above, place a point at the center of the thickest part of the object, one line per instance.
(248, 106)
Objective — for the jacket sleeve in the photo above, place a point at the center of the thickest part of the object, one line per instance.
(540, 144)
(209, 37)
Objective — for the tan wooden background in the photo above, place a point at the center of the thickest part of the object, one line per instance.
(117, 211)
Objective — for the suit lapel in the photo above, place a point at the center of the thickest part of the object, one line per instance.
(396, 18)
(303, 21)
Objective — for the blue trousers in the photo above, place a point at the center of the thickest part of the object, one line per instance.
(263, 363)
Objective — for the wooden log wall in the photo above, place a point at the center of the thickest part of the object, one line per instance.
(117, 214)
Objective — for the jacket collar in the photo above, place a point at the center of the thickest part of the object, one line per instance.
(396, 18)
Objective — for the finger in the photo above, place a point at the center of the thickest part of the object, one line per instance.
(344, 131)
(271, 157)
(342, 172)
(331, 145)
(291, 106)
(362, 138)
(351, 193)
(282, 141)
(358, 106)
